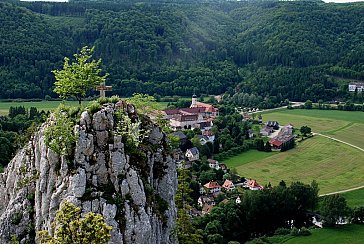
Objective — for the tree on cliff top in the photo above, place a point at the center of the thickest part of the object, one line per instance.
(78, 77)
(71, 229)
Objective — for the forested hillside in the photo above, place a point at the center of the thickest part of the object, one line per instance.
(275, 50)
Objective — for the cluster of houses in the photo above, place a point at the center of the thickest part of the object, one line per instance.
(356, 86)
(212, 189)
(284, 136)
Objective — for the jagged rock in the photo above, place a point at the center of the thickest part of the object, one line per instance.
(102, 177)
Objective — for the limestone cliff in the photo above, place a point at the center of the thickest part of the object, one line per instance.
(133, 189)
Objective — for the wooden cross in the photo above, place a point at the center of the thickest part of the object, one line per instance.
(103, 88)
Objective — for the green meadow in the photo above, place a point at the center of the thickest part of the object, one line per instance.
(354, 198)
(343, 125)
(335, 166)
(346, 234)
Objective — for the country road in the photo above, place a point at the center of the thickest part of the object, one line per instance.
(293, 104)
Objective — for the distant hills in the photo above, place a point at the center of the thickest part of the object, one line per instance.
(272, 49)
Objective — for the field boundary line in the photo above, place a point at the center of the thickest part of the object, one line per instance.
(344, 142)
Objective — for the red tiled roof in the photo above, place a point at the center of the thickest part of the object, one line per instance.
(212, 185)
(171, 111)
(276, 142)
(253, 184)
(228, 184)
(212, 161)
(208, 107)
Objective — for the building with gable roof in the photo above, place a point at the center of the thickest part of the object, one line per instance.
(228, 185)
(212, 187)
(193, 154)
(253, 185)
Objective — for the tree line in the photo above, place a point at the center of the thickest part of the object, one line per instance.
(273, 50)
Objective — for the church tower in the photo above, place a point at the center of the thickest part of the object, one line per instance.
(194, 101)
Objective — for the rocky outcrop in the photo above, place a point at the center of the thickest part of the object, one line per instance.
(133, 188)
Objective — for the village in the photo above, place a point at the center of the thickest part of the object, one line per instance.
(216, 182)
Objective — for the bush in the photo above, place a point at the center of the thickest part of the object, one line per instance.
(304, 232)
(295, 232)
(94, 107)
(282, 231)
(60, 136)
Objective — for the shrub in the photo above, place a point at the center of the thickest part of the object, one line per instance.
(282, 231)
(94, 107)
(295, 232)
(60, 136)
(305, 232)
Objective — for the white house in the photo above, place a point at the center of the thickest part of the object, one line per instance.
(356, 86)
(212, 187)
(193, 154)
(213, 164)
(204, 199)
(238, 200)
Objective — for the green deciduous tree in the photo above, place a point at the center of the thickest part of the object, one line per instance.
(305, 130)
(333, 208)
(70, 228)
(78, 77)
(185, 231)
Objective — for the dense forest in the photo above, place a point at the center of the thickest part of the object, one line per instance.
(271, 50)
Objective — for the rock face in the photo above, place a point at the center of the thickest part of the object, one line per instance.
(133, 188)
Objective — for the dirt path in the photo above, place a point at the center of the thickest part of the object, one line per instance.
(347, 190)
(293, 104)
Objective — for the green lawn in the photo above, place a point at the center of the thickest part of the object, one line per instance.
(354, 198)
(335, 166)
(343, 125)
(351, 234)
(246, 157)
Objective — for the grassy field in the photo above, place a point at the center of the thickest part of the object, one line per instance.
(354, 198)
(246, 157)
(343, 234)
(333, 165)
(343, 125)
(41, 105)
(49, 105)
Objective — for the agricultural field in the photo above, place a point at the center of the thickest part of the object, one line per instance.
(51, 105)
(41, 105)
(343, 125)
(354, 198)
(342, 234)
(335, 166)
(246, 157)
